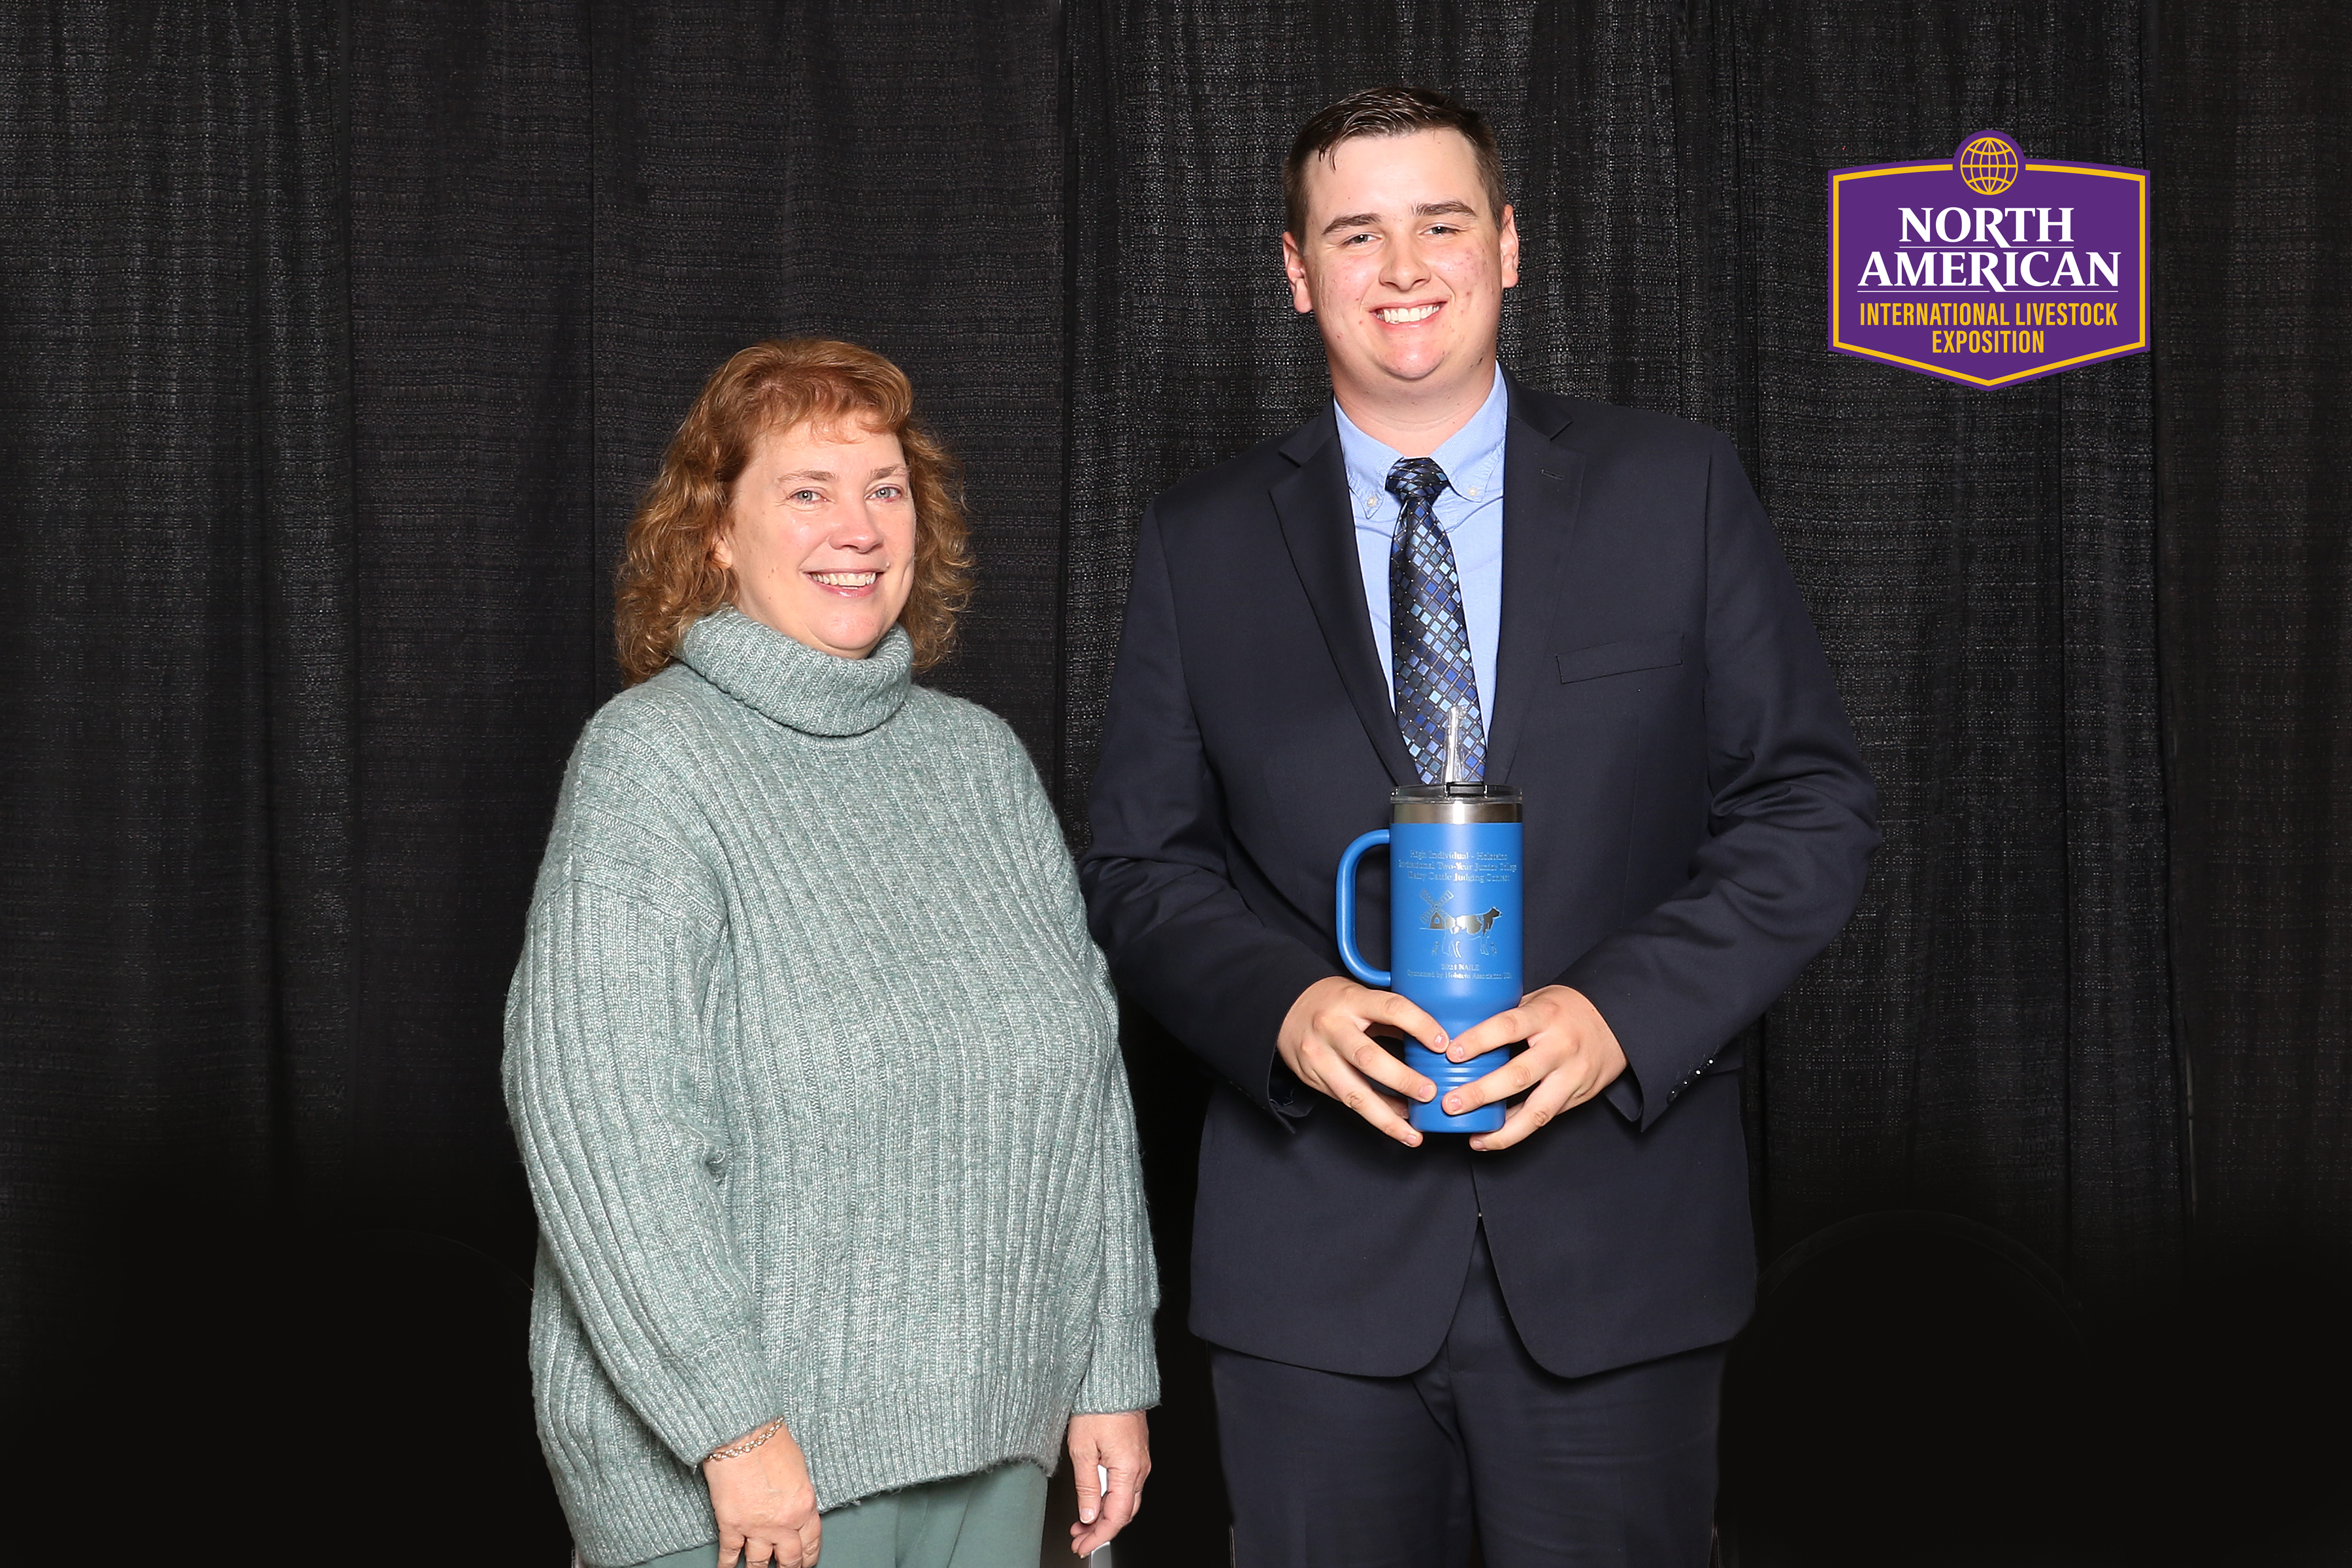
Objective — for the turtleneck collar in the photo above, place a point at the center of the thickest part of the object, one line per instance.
(799, 686)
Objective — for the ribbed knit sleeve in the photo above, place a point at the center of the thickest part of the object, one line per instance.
(1123, 1372)
(607, 1075)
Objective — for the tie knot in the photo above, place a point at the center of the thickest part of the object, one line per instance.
(1415, 479)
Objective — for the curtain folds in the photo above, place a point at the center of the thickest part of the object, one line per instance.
(1991, 1034)
(178, 780)
(2256, 369)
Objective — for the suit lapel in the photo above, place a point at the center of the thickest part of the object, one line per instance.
(1313, 506)
(1541, 484)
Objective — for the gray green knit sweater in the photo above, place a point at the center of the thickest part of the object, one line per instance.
(816, 1074)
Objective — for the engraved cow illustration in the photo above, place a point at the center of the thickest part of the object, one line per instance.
(1459, 925)
(1451, 930)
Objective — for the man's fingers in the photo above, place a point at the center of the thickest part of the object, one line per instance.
(1388, 1007)
(1377, 1062)
(1512, 1077)
(1505, 1028)
(1352, 1090)
(1551, 1096)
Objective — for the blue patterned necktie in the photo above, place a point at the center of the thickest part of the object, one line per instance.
(1429, 642)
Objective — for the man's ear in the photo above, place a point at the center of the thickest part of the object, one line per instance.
(1294, 266)
(1510, 248)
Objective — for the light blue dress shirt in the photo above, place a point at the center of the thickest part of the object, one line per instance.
(1469, 510)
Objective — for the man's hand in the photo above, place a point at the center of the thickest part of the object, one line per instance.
(1325, 1041)
(1122, 1445)
(1571, 1056)
(765, 1505)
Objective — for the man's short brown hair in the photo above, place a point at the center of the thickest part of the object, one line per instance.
(1386, 111)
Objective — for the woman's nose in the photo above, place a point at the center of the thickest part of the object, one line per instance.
(857, 530)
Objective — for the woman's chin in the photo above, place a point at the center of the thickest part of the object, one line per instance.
(847, 626)
(850, 635)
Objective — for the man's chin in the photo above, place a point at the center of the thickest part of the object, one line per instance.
(1417, 369)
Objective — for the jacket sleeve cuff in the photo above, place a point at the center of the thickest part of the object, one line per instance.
(1276, 992)
(1654, 1077)
(1124, 1374)
(1624, 1094)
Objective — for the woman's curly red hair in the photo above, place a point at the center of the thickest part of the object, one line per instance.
(669, 577)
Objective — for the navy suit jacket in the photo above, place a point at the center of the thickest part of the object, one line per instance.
(1698, 822)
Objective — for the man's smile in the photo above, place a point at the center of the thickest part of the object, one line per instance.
(1406, 315)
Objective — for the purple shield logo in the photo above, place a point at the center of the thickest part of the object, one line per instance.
(1988, 269)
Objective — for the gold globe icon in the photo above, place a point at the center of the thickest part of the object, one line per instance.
(1987, 165)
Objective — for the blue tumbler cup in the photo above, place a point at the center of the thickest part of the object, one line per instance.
(1454, 925)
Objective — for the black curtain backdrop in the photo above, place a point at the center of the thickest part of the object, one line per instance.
(180, 783)
(2256, 618)
(336, 343)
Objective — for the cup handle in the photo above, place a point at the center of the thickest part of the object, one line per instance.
(1344, 913)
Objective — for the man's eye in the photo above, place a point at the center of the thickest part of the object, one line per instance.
(1443, 228)
(1357, 239)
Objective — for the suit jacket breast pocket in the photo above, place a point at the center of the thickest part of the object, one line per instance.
(1664, 652)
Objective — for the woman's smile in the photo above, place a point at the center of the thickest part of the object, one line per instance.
(810, 492)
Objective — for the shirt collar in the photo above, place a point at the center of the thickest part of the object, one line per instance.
(1471, 457)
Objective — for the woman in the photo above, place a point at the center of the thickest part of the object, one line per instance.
(811, 1062)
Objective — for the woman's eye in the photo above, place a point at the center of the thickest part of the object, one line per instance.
(889, 492)
(804, 498)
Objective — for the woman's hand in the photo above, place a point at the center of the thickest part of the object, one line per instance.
(765, 1505)
(1120, 1444)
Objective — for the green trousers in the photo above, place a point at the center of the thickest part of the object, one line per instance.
(994, 1520)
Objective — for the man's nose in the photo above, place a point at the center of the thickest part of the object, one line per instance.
(1402, 267)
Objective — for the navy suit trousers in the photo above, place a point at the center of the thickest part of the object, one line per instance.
(1329, 1471)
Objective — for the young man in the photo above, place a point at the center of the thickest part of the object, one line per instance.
(1522, 1328)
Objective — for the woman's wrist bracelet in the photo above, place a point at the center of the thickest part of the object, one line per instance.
(737, 1450)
